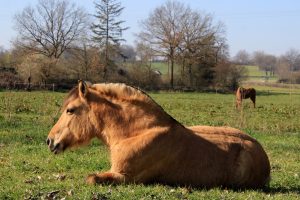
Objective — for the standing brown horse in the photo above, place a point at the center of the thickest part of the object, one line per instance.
(147, 145)
(245, 93)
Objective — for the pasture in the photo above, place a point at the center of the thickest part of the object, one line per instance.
(28, 170)
(254, 74)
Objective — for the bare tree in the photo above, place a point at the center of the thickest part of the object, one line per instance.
(271, 61)
(283, 69)
(144, 53)
(185, 36)
(228, 76)
(202, 40)
(258, 58)
(292, 57)
(82, 56)
(108, 29)
(242, 57)
(163, 30)
(265, 61)
(50, 28)
(288, 66)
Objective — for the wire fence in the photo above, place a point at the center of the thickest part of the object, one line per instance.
(262, 88)
(36, 86)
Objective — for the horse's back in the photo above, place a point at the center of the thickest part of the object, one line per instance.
(220, 132)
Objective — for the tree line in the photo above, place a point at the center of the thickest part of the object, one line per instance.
(286, 66)
(59, 41)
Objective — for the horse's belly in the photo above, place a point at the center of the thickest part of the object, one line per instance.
(205, 164)
(220, 156)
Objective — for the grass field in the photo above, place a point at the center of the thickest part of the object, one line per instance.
(161, 66)
(254, 74)
(29, 171)
(254, 71)
(164, 69)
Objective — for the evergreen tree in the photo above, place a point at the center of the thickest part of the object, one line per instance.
(108, 29)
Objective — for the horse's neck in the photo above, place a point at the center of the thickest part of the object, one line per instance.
(132, 121)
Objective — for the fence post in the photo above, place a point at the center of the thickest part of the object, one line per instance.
(53, 85)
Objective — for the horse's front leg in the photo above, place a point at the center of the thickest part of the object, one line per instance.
(106, 178)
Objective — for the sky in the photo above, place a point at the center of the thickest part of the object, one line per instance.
(272, 26)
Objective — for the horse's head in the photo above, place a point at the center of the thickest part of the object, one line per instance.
(241, 90)
(74, 127)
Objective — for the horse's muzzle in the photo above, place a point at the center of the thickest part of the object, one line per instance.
(55, 148)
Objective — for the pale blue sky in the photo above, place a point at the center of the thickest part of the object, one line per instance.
(269, 25)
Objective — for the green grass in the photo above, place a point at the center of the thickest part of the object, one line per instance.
(281, 88)
(163, 67)
(29, 171)
(255, 74)
(254, 71)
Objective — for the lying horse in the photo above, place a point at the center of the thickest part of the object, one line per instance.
(149, 146)
(245, 93)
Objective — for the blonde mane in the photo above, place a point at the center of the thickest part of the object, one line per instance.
(120, 91)
(114, 91)
(123, 92)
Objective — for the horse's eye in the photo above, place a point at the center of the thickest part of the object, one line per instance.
(70, 111)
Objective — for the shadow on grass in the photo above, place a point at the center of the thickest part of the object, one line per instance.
(271, 190)
(266, 190)
(282, 190)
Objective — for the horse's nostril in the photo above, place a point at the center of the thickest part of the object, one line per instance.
(49, 142)
(57, 146)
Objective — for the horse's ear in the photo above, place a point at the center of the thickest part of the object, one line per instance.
(83, 88)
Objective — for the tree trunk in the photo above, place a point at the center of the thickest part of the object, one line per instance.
(172, 67)
(190, 75)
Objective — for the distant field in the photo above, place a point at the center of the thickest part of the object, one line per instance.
(254, 71)
(161, 66)
(256, 78)
(29, 171)
(254, 74)
(280, 88)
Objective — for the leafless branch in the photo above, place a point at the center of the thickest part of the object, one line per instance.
(50, 28)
